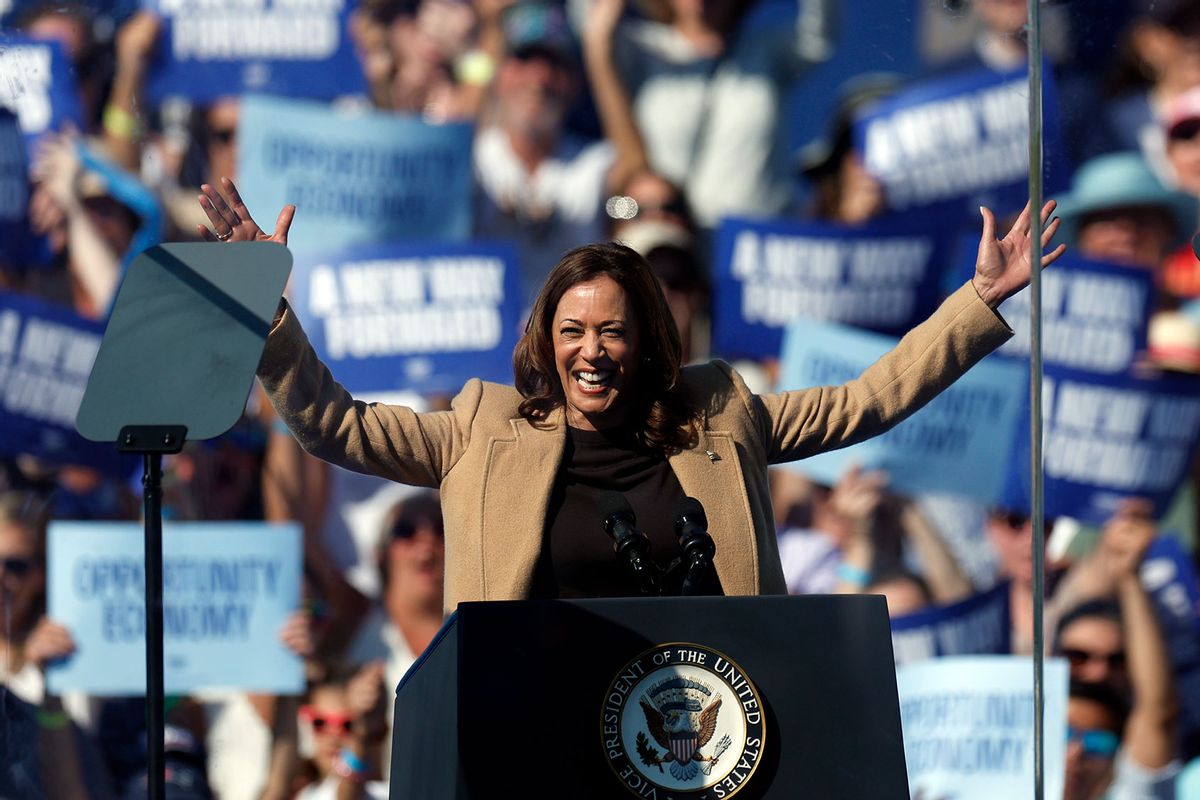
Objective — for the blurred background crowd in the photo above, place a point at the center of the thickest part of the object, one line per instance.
(647, 122)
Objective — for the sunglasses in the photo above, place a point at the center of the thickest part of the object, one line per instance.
(16, 566)
(1185, 130)
(1080, 657)
(1095, 742)
(1017, 521)
(407, 530)
(322, 721)
(222, 136)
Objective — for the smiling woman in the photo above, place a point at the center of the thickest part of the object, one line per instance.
(601, 403)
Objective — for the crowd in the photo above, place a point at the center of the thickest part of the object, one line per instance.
(648, 124)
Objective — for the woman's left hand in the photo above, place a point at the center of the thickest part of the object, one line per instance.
(1002, 268)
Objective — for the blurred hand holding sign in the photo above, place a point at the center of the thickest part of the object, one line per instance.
(227, 590)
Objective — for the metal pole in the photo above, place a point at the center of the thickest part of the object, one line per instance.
(155, 722)
(1035, 392)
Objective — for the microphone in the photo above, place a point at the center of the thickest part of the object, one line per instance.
(631, 545)
(691, 526)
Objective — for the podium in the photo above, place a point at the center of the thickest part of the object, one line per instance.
(753, 697)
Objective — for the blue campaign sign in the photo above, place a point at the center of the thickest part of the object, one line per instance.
(1094, 315)
(355, 178)
(422, 318)
(1107, 437)
(38, 85)
(228, 588)
(216, 48)
(959, 142)
(957, 444)
(15, 238)
(46, 356)
(1169, 577)
(979, 625)
(880, 277)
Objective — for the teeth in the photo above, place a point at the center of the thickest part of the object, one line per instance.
(594, 377)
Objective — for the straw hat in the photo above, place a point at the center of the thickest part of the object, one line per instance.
(1174, 342)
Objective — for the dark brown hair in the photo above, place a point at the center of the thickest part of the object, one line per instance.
(666, 418)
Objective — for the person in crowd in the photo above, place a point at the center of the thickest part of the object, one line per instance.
(1118, 211)
(856, 542)
(1163, 45)
(412, 566)
(842, 189)
(537, 185)
(342, 722)
(1091, 638)
(706, 82)
(1138, 758)
(73, 25)
(1181, 270)
(598, 381)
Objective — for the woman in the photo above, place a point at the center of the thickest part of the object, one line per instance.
(601, 402)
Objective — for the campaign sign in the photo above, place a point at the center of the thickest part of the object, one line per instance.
(959, 142)
(14, 193)
(959, 443)
(228, 588)
(1107, 437)
(979, 625)
(1094, 315)
(1169, 577)
(968, 726)
(38, 85)
(418, 318)
(216, 48)
(361, 178)
(46, 356)
(769, 273)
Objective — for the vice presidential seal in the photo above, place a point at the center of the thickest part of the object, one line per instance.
(682, 720)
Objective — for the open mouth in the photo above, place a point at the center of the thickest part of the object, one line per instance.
(594, 381)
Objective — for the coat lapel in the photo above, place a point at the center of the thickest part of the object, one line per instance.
(514, 520)
(711, 472)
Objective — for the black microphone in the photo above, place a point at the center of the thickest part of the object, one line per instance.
(631, 545)
(691, 526)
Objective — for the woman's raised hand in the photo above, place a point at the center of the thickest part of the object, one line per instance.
(1002, 268)
(231, 221)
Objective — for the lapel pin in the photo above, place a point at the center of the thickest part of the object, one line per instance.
(713, 457)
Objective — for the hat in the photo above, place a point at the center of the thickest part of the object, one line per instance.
(1173, 342)
(1183, 109)
(1121, 180)
(541, 29)
(644, 235)
(853, 96)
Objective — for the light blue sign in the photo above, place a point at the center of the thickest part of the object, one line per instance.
(411, 317)
(210, 49)
(227, 590)
(959, 443)
(979, 625)
(880, 277)
(38, 85)
(355, 178)
(969, 722)
(959, 142)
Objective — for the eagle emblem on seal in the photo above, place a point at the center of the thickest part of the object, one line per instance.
(681, 715)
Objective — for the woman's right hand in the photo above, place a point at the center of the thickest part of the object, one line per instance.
(231, 220)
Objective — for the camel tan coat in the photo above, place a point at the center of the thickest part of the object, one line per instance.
(496, 470)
